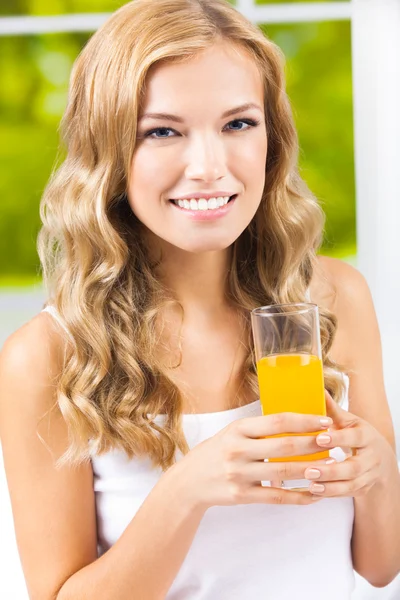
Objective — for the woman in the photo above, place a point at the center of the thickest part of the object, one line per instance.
(131, 429)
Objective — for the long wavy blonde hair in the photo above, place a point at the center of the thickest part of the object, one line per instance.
(96, 270)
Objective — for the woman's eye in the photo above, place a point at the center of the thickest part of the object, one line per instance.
(238, 122)
(163, 131)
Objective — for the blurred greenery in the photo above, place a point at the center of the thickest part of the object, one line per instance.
(34, 72)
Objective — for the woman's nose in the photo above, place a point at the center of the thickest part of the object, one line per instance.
(206, 159)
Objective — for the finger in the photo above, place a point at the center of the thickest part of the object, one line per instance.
(346, 470)
(342, 488)
(282, 471)
(281, 423)
(271, 495)
(350, 437)
(341, 417)
(280, 447)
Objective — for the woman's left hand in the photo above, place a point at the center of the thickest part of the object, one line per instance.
(371, 463)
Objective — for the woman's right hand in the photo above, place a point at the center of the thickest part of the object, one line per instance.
(227, 469)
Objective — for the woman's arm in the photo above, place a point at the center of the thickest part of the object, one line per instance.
(54, 510)
(376, 534)
(145, 560)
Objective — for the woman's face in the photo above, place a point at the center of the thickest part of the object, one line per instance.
(208, 145)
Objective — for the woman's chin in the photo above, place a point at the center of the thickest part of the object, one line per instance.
(201, 247)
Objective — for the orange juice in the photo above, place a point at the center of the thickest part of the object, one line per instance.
(292, 383)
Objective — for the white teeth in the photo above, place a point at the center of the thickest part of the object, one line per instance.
(202, 203)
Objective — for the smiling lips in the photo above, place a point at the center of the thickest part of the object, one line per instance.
(202, 203)
(202, 209)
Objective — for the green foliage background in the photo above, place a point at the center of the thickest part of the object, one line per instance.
(34, 73)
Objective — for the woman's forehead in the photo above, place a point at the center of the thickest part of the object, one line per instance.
(219, 77)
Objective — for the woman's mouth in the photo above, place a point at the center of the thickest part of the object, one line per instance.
(201, 204)
(205, 210)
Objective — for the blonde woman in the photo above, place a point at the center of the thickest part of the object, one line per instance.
(130, 419)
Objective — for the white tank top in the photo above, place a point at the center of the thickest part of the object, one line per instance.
(245, 552)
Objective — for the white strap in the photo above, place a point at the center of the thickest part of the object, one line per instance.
(53, 312)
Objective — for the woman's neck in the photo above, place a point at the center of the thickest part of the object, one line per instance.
(197, 281)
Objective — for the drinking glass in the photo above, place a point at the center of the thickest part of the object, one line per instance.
(289, 367)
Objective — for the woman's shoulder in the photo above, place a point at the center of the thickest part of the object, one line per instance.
(340, 288)
(41, 331)
(30, 365)
(336, 284)
(33, 353)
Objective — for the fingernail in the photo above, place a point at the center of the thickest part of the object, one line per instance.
(326, 421)
(312, 474)
(317, 487)
(324, 439)
(330, 461)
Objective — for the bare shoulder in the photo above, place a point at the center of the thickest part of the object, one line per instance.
(53, 509)
(338, 284)
(35, 349)
(343, 290)
(30, 363)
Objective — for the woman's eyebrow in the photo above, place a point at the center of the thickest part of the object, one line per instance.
(176, 119)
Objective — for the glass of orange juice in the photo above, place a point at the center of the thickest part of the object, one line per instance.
(289, 367)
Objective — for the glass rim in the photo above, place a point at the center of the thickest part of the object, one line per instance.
(262, 311)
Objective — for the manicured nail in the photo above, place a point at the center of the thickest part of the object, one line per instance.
(324, 439)
(312, 474)
(326, 421)
(317, 487)
(330, 461)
